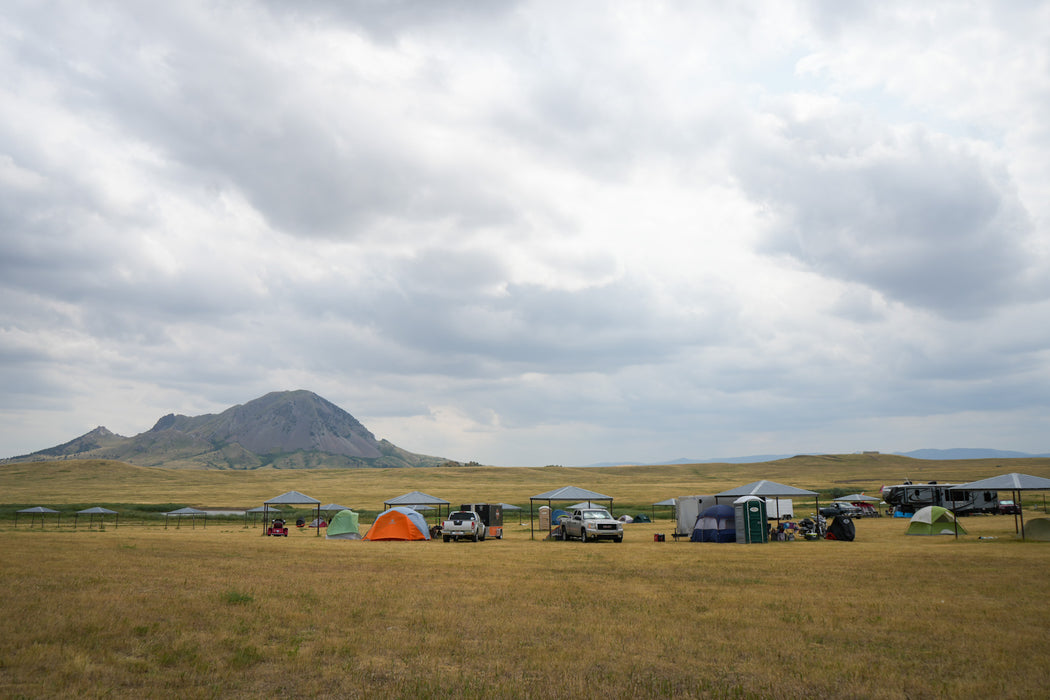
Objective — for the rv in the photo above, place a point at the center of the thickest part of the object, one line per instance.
(907, 498)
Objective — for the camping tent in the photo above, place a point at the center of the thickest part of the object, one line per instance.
(343, 526)
(716, 524)
(1038, 529)
(1015, 483)
(565, 493)
(934, 520)
(292, 498)
(100, 512)
(398, 523)
(841, 528)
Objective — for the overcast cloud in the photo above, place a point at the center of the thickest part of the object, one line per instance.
(531, 233)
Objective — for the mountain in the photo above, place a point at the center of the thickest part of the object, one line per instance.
(967, 453)
(284, 429)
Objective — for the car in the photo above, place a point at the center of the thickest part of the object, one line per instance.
(591, 524)
(847, 510)
(1009, 508)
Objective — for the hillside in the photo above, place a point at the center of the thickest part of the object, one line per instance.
(283, 430)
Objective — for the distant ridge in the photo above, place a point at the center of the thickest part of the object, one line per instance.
(967, 453)
(283, 429)
(927, 454)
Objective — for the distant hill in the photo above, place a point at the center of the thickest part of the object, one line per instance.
(284, 430)
(968, 453)
(929, 454)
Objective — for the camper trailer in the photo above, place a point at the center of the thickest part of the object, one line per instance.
(907, 498)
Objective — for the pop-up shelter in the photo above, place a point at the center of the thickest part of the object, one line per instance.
(398, 523)
(344, 526)
(565, 493)
(96, 511)
(934, 520)
(35, 511)
(292, 498)
(1015, 483)
(418, 498)
(181, 513)
(769, 490)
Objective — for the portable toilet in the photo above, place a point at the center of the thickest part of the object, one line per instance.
(751, 525)
(545, 518)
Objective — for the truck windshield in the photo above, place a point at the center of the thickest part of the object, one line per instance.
(596, 515)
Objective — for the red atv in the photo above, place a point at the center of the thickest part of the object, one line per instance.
(277, 529)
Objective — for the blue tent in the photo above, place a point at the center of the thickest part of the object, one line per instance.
(716, 524)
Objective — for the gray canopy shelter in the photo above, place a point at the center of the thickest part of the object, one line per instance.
(672, 503)
(769, 489)
(565, 493)
(182, 513)
(35, 511)
(417, 498)
(1015, 483)
(257, 510)
(101, 513)
(507, 507)
(333, 508)
(856, 498)
(292, 498)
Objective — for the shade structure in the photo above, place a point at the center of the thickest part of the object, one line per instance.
(769, 489)
(37, 511)
(566, 493)
(1015, 483)
(856, 498)
(417, 498)
(672, 503)
(333, 508)
(183, 512)
(96, 511)
(292, 498)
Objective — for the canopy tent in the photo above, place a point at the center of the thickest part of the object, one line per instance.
(183, 512)
(508, 507)
(417, 498)
(35, 511)
(258, 510)
(565, 493)
(333, 508)
(586, 504)
(856, 498)
(398, 523)
(292, 498)
(100, 512)
(672, 503)
(1015, 483)
(769, 489)
(344, 526)
(934, 520)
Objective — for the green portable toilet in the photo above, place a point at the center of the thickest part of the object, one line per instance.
(751, 526)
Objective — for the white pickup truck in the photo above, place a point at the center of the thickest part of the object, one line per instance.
(591, 524)
(463, 524)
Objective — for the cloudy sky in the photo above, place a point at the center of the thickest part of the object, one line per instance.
(531, 233)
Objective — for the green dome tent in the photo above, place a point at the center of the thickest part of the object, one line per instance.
(343, 526)
(934, 520)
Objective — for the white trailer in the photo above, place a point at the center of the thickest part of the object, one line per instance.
(779, 508)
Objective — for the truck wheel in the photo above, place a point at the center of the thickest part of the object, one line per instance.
(583, 535)
(475, 537)
(446, 538)
(619, 539)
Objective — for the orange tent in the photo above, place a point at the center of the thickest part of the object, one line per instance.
(398, 523)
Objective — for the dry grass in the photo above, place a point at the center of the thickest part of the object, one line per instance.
(225, 612)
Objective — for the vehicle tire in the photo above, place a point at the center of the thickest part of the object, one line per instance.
(619, 539)
(562, 534)
(445, 538)
(583, 535)
(475, 537)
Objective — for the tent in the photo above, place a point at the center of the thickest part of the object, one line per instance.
(343, 526)
(716, 524)
(398, 523)
(565, 493)
(934, 520)
(642, 518)
(182, 513)
(100, 512)
(1038, 529)
(625, 518)
(292, 498)
(35, 511)
(841, 528)
(1015, 483)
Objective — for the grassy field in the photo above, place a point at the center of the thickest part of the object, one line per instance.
(222, 611)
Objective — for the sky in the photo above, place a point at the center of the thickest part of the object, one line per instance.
(531, 233)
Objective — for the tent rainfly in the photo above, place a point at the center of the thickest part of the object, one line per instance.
(100, 512)
(35, 511)
(292, 498)
(565, 493)
(183, 512)
(1015, 483)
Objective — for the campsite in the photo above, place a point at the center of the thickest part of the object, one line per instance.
(222, 610)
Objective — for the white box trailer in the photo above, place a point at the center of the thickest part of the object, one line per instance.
(688, 509)
(779, 508)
